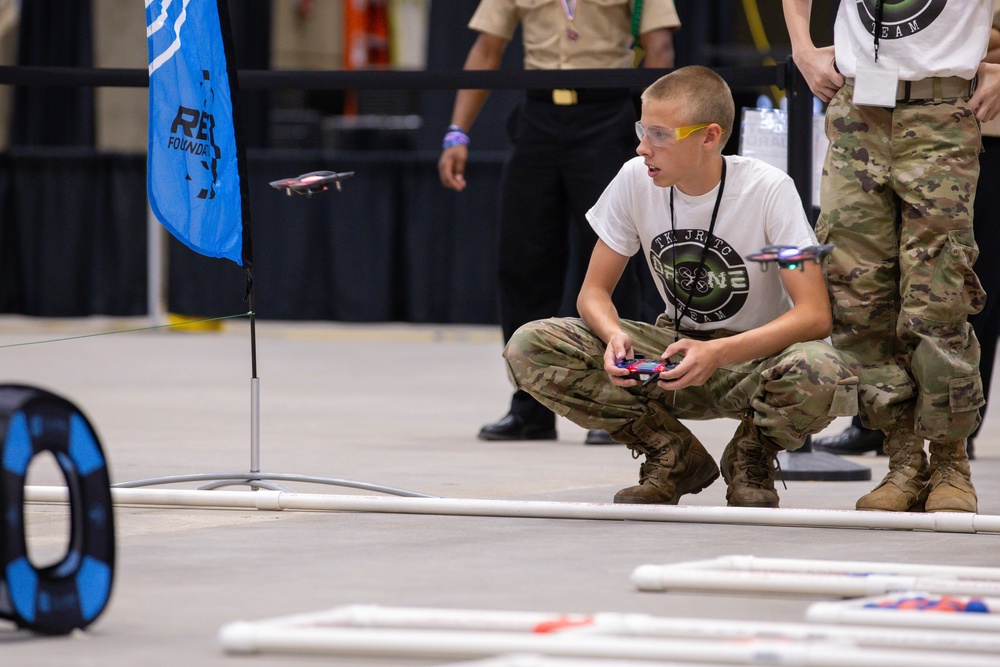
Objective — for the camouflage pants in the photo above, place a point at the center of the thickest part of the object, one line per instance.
(897, 194)
(793, 394)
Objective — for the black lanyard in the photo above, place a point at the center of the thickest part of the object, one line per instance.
(704, 249)
(878, 25)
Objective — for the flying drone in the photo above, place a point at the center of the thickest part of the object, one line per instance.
(313, 182)
(789, 256)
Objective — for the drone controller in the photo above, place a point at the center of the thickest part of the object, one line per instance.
(645, 370)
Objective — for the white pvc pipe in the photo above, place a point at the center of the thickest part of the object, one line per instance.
(830, 612)
(633, 625)
(950, 522)
(522, 660)
(666, 577)
(758, 564)
(243, 637)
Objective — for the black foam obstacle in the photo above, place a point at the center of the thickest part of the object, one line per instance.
(73, 592)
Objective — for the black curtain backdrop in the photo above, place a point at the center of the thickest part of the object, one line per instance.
(251, 24)
(392, 246)
(72, 233)
(54, 33)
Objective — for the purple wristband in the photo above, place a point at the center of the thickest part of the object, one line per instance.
(455, 137)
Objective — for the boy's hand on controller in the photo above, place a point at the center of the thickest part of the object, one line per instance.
(619, 348)
(701, 359)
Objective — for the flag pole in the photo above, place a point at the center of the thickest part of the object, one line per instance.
(254, 381)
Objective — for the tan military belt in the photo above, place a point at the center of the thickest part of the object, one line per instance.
(933, 88)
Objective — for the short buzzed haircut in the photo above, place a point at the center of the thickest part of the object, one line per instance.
(704, 94)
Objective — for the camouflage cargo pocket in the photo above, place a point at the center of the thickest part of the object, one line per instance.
(965, 394)
(957, 419)
(956, 290)
(845, 398)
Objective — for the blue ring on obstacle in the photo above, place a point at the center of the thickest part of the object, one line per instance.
(73, 592)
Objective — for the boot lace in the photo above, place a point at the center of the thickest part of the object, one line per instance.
(945, 472)
(761, 466)
(655, 459)
(638, 449)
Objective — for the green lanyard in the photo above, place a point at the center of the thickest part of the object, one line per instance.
(636, 15)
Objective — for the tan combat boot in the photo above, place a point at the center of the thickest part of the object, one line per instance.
(904, 488)
(681, 465)
(749, 464)
(950, 485)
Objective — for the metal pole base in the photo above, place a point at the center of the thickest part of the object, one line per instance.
(257, 480)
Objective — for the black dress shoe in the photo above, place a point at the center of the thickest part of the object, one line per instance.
(598, 436)
(514, 427)
(852, 441)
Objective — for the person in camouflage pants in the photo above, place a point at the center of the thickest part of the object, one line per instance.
(746, 341)
(901, 292)
(897, 197)
(779, 399)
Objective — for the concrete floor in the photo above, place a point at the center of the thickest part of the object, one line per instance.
(391, 405)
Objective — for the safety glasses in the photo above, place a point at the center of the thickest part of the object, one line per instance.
(664, 136)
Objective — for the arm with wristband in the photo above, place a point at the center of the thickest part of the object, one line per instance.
(486, 54)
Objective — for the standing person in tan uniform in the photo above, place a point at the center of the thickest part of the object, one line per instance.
(567, 146)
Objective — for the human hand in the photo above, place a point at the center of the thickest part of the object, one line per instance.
(618, 349)
(816, 65)
(451, 167)
(701, 359)
(985, 102)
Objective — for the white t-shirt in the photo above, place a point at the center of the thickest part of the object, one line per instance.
(923, 39)
(759, 207)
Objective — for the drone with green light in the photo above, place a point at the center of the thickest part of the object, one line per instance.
(790, 257)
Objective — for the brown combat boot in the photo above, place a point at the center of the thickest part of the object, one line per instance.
(670, 471)
(749, 464)
(950, 484)
(904, 488)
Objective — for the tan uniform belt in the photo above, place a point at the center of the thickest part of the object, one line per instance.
(933, 88)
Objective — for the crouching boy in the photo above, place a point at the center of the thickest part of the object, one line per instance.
(749, 343)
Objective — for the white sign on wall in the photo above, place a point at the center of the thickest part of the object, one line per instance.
(764, 135)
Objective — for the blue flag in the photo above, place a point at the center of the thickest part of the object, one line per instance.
(195, 180)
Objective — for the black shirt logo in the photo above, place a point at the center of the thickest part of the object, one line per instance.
(900, 18)
(717, 289)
